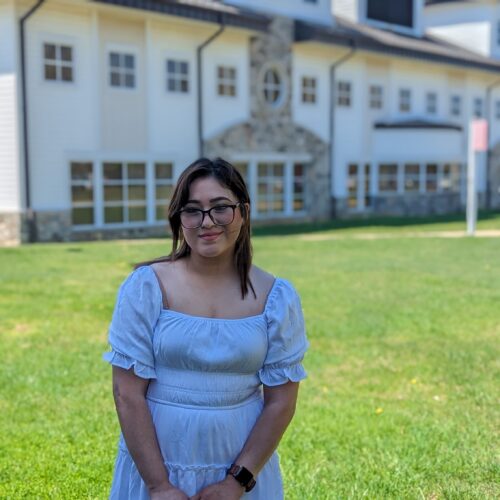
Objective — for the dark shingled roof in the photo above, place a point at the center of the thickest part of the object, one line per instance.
(423, 124)
(200, 10)
(365, 37)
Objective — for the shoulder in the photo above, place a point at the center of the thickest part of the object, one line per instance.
(261, 280)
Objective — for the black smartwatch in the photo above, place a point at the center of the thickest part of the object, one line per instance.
(242, 475)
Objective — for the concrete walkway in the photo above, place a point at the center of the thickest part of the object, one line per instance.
(482, 233)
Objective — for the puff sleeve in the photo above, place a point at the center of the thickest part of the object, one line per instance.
(287, 342)
(136, 312)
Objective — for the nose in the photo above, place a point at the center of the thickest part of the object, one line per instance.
(206, 220)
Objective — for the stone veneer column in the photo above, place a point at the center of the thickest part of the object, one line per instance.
(271, 128)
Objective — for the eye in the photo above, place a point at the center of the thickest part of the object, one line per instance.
(219, 209)
(191, 211)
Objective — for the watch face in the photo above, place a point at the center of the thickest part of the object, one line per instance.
(243, 476)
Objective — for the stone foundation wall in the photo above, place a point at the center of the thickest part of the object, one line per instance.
(408, 205)
(10, 229)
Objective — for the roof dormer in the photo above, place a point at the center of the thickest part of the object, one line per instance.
(402, 16)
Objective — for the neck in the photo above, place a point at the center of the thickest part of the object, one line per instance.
(212, 267)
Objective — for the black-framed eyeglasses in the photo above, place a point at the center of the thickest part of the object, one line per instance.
(220, 215)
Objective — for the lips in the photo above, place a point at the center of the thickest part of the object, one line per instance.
(209, 236)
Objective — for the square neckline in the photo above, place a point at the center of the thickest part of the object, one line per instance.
(166, 310)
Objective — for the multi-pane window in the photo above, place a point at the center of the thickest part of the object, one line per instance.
(122, 70)
(299, 182)
(308, 89)
(164, 181)
(455, 105)
(450, 178)
(270, 188)
(272, 87)
(497, 110)
(404, 100)
(82, 193)
(58, 62)
(177, 76)
(226, 81)
(343, 93)
(412, 177)
(431, 103)
(388, 178)
(478, 111)
(124, 186)
(431, 177)
(352, 185)
(376, 97)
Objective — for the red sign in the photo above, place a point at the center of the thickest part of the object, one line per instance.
(479, 135)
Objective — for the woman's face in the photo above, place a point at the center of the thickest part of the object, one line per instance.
(211, 240)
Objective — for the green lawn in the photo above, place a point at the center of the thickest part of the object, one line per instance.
(402, 395)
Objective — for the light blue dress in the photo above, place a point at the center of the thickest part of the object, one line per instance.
(205, 393)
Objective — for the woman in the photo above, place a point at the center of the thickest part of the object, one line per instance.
(206, 352)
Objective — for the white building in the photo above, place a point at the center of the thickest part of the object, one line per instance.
(329, 108)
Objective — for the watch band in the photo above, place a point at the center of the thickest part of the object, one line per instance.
(243, 476)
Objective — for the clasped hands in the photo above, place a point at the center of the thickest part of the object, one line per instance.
(227, 489)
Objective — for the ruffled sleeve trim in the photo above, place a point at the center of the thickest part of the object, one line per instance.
(116, 358)
(272, 376)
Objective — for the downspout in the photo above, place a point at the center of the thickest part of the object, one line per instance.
(32, 232)
(489, 153)
(331, 129)
(199, 80)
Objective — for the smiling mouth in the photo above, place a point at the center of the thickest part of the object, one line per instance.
(210, 236)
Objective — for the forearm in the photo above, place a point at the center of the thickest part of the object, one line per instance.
(140, 436)
(265, 436)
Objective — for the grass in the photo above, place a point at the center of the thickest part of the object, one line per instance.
(402, 395)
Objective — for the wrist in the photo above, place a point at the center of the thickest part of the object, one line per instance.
(242, 476)
(163, 486)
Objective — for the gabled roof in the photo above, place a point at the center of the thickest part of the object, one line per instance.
(200, 10)
(365, 37)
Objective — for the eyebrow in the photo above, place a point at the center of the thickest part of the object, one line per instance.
(213, 200)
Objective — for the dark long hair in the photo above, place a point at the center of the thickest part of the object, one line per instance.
(230, 178)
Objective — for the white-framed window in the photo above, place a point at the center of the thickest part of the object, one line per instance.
(177, 76)
(270, 187)
(404, 100)
(164, 187)
(121, 69)
(449, 181)
(82, 193)
(352, 186)
(58, 62)
(431, 103)
(455, 105)
(273, 87)
(226, 81)
(478, 107)
(343, 93)
(376, 96)
(411, 177)
(277, 185)
(388, 177)
(497, 110)
(431, 177)
(299, 184)
(309, 84)
(359, 186)
(124, 192)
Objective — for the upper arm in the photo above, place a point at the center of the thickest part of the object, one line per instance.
(127, 385)
(284, 395)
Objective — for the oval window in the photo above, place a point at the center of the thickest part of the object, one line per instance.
(272, 87)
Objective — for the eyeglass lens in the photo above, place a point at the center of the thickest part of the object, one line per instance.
(192, 218)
